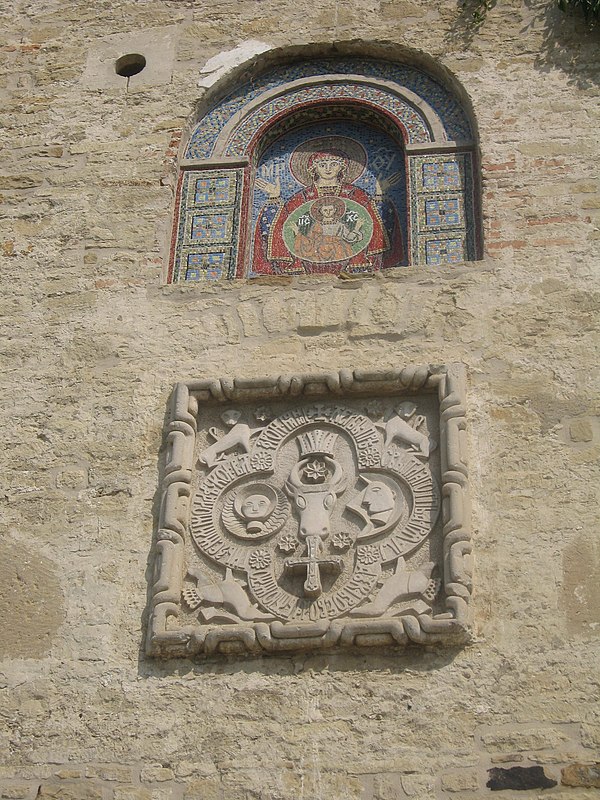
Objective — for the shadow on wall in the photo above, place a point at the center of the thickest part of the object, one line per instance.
(567, 41)
(412, 660)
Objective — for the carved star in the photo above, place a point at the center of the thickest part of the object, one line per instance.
(287, 543)
(341, 541)
(316, 471)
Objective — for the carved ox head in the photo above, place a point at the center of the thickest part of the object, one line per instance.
(314, 493)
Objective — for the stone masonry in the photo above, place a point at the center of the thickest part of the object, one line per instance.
(93, 342)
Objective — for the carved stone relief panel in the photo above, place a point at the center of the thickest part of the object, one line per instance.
(314, 512)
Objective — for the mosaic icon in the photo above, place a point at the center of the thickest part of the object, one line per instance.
(328, 175)
(330, 223)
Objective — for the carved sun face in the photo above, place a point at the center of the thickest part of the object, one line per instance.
(256, 506)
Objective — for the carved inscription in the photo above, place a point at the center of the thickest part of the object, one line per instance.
(315, 514)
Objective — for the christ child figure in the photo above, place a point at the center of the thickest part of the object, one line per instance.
(331, 224)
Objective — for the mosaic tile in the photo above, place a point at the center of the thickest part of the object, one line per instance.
(444, 251)
(442, 213)
(436, 205)
(414, 124)
(454, 119)
(441, 175)
(206, 266)
(214, 191)
(209, 215)
(211, 228)
(438, 212)
(290, 237)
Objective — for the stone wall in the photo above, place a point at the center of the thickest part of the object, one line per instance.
(92, 342)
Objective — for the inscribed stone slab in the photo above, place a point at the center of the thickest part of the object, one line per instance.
(305, 513)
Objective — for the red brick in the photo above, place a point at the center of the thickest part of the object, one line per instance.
(552, 220)
(516, 243)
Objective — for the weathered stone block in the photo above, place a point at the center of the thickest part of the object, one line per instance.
(110, 772)
(31, 601)
(164, 792)
(132, 793)
(69, 774)
(418, 787)
(156, 774)
(465, 781)
(84, 790)
(18, 791)
(580, 430)
(8, 182)
(210, 788)
(587, 775)
(501, 778)
(387, 787)
(523, 739)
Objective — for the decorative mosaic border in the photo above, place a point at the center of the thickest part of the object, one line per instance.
(413, 122)
(442, 101)
(442, 209)
(205, 241)
(452, 627)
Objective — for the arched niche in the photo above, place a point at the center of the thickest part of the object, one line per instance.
(328, 165)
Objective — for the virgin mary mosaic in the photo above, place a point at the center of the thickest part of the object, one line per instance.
(331, 203)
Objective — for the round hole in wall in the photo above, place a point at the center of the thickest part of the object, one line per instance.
(129, 65)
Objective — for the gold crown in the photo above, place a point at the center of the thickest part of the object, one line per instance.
(317, 442)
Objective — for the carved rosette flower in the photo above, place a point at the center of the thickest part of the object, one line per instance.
(316, 471)
(341, 541)
(368, 554)
(287, 543)
(260, 559)
(261, 461)
(371, 459)
(374, 409)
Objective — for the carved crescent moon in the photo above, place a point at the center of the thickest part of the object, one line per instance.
(355, 505)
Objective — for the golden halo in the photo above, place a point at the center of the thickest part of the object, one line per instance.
(355, 153)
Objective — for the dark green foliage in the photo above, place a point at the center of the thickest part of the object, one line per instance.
(477, 9)
(590, 8)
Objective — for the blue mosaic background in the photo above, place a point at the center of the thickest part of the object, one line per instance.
(385, 159)
(444, 103)
(443, 226)
(206, 237)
